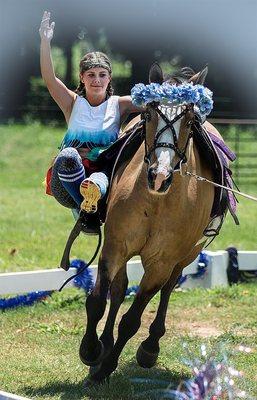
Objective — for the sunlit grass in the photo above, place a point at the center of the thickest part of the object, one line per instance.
(39, 344)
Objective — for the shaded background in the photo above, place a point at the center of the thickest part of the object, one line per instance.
(219, 33)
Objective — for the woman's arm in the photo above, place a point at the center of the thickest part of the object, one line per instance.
(127, 107)
(59, 92)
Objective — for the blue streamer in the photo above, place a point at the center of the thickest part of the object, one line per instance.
(24, 300)
(85, 279)
(203, 263)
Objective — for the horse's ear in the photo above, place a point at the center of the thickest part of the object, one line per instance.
(155, 74)
(199, 78)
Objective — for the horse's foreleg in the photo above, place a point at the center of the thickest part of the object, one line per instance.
(118, 292)
(149, 349)
(130, 323)
(91, 349)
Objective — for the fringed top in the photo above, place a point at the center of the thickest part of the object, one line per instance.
(95, 128)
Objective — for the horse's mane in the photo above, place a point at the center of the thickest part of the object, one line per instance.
(180, 76)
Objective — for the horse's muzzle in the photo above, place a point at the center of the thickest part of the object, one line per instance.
(158, 183)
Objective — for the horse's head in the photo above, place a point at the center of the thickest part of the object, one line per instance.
(168, 128)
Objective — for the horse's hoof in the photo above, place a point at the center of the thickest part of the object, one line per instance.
(90, 382)
(146, 359)
(94, 369)
(96, 361)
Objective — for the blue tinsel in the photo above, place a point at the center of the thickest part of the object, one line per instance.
(132, 290)
(24, 300)
(85, 279)
(201, 269)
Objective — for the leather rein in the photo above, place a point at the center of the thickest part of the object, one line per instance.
(146, 117)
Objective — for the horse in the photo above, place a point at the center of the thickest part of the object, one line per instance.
(155, 213)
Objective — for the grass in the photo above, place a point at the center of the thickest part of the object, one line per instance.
(34, 227)
(39, 344)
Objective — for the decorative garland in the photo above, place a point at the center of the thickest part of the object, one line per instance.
(85, 281)
(24, 300)
(187, 93)
(202, 265)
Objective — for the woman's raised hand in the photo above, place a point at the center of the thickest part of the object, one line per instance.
(46, 31)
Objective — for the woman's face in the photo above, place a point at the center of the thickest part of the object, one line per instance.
(96, 81)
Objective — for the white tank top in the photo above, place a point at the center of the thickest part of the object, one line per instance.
(95, 128)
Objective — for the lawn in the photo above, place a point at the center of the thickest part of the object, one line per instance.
(39, 344)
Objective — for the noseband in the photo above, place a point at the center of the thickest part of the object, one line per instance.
(169, 125)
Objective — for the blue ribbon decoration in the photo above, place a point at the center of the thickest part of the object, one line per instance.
(187, 93)
(203, 262)
(24, 300)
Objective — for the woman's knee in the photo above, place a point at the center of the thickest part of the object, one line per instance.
(68, 159)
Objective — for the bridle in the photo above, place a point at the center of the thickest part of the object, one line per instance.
(181, 153)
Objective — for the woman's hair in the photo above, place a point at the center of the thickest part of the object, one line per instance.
(92, 60)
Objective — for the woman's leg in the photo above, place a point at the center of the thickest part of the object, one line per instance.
(68, 173)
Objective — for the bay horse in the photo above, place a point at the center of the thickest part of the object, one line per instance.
(159, 216)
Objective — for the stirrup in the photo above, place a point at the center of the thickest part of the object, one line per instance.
(92, 194)
(90, 223)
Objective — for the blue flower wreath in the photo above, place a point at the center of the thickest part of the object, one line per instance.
(187, 93)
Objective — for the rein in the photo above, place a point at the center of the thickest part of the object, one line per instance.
(169, 125)
(65, 262)
(202, 179)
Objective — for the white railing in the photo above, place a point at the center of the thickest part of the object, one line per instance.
(52, 279)
(10, 396)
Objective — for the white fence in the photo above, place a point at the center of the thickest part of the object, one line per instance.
(52, 279)
(10, 396)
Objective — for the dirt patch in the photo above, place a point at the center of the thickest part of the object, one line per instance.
(174, 326)
(203, 330)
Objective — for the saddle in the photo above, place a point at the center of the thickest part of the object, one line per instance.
(216, 155)
(110, 160)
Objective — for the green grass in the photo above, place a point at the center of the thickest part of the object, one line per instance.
(39, 344)
(34, 227)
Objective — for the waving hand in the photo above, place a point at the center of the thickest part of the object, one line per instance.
(46, 31)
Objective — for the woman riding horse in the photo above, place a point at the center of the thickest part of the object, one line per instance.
(154, 213)
(150, 212)
(94, 117)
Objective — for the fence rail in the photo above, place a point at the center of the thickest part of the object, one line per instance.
(244, 143)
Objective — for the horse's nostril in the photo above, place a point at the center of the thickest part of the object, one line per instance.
(151, 176)
(151, 172)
